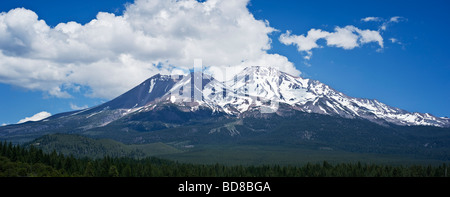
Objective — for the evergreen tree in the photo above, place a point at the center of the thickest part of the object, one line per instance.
(89, 170)
(126, 171)
(113, 172)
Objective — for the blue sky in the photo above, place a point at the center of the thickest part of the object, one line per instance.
(410, 70)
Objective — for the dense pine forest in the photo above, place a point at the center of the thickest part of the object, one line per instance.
(17, 161)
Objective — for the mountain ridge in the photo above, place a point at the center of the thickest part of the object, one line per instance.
(265, 88)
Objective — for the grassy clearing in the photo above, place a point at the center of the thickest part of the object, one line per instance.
(279, 155)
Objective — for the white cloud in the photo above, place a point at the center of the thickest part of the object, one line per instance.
(4, 124)
(371, 18)
(396, 19)
(36, 117)
(348, 37)
(76, 107)
(111, 54)
(304, 43)
(343, 37)
(385, 22)
(367, 36)
(395, 41)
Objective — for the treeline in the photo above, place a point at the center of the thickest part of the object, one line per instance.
(81, 146)
(17, 161)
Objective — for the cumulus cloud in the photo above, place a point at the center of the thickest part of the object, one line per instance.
(344, 38)
(348, 37)
(36, 117)
(367, 36)
(112, 53)
(304, 43)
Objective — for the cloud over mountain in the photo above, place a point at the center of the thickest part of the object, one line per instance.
(112, 53)
(348, 37)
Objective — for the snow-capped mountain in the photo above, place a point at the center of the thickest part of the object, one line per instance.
(264, 89)
(254, 103)
(255, 90)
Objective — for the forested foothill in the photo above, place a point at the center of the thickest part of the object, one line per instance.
(17, 161)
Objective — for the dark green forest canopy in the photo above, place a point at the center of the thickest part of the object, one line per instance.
(17, 161)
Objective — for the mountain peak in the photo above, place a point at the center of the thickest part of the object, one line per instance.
(263, 71)
(262, 89)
